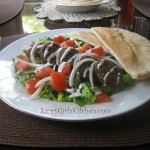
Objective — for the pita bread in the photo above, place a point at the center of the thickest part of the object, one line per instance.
(87, 37)
(131, 50)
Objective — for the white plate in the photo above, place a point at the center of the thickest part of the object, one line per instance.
(77, 8)
(13, 95)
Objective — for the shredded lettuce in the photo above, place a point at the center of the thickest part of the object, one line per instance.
(26, 75)
(64, 97)
(127, 80)
(46, 38)
(87, 96)
(79, 43)
(49, 93)
(38, 60)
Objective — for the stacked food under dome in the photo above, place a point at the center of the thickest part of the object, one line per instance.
(77, 6)
(77, 2)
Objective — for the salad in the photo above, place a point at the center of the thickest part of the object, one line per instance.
(69, 70)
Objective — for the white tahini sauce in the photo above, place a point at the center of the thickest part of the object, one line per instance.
(61, 66)
(108, 73)
(57, 55)
(65, 53)
(47, 48)
(75, 93)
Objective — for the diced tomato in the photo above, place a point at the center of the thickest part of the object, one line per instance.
(66, 68)
(98, 50)
(84, 48)
(58, 39)
(30, 85)
(22, 66)
(44, 72)
(68, 43)
(102, 97)
(58, 81)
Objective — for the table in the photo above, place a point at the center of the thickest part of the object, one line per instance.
(142, 7)
(26, 23)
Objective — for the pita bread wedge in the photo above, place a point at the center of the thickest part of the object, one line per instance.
(131, 50)
(87, 37)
